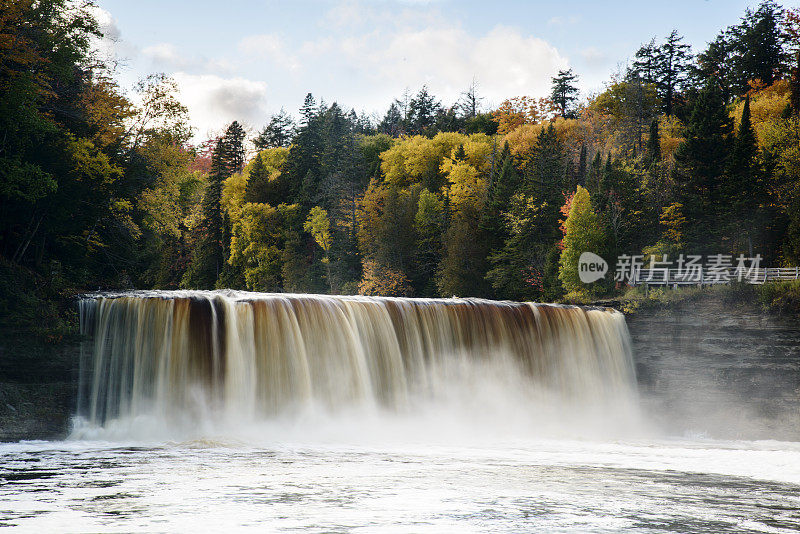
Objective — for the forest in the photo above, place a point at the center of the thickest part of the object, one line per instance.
(680, 152)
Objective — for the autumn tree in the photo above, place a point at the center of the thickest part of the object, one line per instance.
(582, 233)
(319, 226)
(212, 249)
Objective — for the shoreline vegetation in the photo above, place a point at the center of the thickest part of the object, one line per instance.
(778, 298)
(684, 151)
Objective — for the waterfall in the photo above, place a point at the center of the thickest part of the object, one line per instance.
(254, 356)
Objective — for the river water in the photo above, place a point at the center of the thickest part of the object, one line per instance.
(480, 431)
(541, 485)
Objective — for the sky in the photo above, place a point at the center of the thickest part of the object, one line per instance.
(246, 59)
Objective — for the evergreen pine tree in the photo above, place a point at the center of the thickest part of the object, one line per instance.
(212, 251)
(672, 68)
(470, 103)
(716, 62)
(278, 133)
(758, 44)
(653, 144)
(582, 169)
(505, 184)
(234, 149)
(392, 122)
(208, 256)
(422, 112)
(545, 171)
(700, 163)
(303, 163)
(794, 100)
(744, 191)
(308, 110)
(564, 93)
(645, 66)
(593, 174)
(258, 188)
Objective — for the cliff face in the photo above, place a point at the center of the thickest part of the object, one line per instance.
(38, 386)
(714, 369)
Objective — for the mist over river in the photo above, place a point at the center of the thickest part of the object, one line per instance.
(222, 411)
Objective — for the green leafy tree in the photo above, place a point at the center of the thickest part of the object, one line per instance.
(260, 245)
(319, 226)
(582, 233)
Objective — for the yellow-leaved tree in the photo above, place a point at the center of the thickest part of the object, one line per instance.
(583, 232)
(319, 226)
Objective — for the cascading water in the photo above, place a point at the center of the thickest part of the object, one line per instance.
(198, 356)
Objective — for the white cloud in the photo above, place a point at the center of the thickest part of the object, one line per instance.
(503, 61)
(214, 101)
(363, 54)
(167, 57)
(107, 23)
(110, 46)
(268, 46)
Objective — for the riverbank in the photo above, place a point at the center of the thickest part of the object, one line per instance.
(39, 353)
(38, 385)
(773, 298)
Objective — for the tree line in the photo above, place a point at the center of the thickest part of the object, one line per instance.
(679, 153)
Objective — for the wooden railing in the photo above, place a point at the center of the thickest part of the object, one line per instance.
(688, 277)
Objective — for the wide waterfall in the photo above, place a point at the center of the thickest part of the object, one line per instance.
(195, 355)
